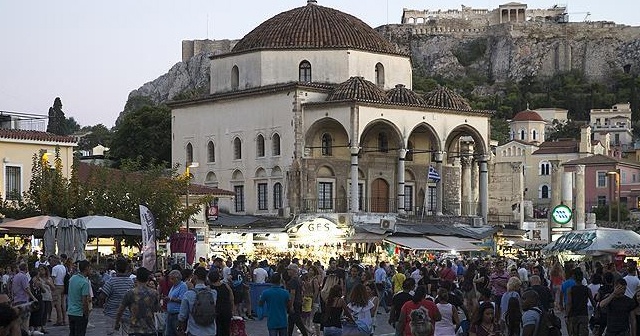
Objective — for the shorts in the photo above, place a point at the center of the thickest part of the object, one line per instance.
(56, 296)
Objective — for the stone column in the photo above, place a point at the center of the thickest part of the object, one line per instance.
(466, 185)
(567, 189)
(475, 165)
(439, 194)
(355, 200)
(401, 156)
(483, 182)
(579, 213)
(556, 192)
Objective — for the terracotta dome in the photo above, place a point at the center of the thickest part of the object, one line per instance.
(445, 97)
(358, 88)
(312, 27)
(400, 94)
(527, 115)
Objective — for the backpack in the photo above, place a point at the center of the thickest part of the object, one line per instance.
(549, 325)
(420, 322)
(204, 307)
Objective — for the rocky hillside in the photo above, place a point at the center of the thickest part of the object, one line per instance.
(498, 53)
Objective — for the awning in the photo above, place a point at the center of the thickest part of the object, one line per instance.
(366, 237)
(417, 243)
(455, 243)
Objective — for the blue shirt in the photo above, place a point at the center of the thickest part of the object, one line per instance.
(177, 291)
(187, 306)
(78, 289)
(565, 288)
(277, 300)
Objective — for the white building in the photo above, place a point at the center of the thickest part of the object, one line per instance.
(313, 99)
(617, 122)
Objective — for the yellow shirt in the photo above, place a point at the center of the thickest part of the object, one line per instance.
(397, 280)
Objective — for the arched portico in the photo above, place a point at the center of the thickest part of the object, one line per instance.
(421, 151)
(466, 148)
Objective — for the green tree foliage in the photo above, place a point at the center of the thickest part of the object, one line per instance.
(602, 212)
(499, 130)
(8, 255)
(144, 134)
(58, 123)
(93, 136)
(470, 52)
(568, 130)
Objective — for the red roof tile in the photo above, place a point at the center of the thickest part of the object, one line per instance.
(35, 135)
(527, 115)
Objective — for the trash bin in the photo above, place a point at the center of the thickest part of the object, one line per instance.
(255, 290)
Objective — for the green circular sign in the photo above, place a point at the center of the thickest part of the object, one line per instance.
(561, 214)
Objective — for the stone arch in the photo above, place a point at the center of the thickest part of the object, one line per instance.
(237, 175)
(276, 172)
(211, 152)
(235, 78)
(369, 138)
(275, 144)
(425, 141)
(409, 175)
(237, 148)
(379, 75)
(325, 171)
(260, 146)
(304, 72)
(211, 179)
(188, 153)
(467, 132)
(327, 126)
(261, 173)
(361, 174)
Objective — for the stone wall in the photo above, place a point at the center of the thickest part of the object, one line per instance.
(452, 189)
(191, 48)
(504, 190)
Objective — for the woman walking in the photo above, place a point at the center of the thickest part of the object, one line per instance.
(47, 294)
(362, 310)
(484, 323)
(448, 324)
(334, 309)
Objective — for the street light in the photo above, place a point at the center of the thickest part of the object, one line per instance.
(187, 172)
(616, 175)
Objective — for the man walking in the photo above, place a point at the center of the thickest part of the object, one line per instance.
(58, 272)
(198, 321)
(532, 313)
(174, 300)
(79, 300)
(577, 311)
(113, 292)
(295, 291)
(618, 306)
(380, 277)
(142, 301)
(21, 292)
(544, 293)
(278, 302)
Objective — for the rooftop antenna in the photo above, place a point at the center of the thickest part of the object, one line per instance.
(207, 26)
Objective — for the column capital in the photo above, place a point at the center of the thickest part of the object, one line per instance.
(484, 158)
(555, 165)
(402, 153)
(580, 169)
(439, 156)
(355, 150)
(466, 161)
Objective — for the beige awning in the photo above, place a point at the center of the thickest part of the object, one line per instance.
(417, 243)
(455, 243)
(366, 237)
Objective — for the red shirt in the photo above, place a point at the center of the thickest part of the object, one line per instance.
(410, 306)
(448, 274)
(165, 286)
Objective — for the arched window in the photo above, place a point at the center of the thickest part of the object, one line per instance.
(545, 168)
(304, 74)
(260, 146)
(275, 144)
(523, 134)
(237, 149)
(211, 152)
(409, 156)
(534, 135)
(544, 192)
(380, 75)
(383, 142)
(277, 195)
(235, 77)
(327, 144)
(189, 154)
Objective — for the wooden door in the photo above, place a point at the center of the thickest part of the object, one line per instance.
(380, 196)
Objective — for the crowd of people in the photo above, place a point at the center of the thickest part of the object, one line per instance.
(475, 297)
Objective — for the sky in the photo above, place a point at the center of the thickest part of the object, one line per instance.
(91, 54)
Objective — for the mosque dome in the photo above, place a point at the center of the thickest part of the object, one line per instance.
(527, 115)
(312, 27)
(447, 98)
(400, 94)
(358, 88)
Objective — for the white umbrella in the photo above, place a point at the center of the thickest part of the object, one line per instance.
(30, 226)
(80, 238)
(105, 226)
(65, 237)
(596, 241)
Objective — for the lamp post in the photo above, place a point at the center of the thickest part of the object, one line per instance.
(616, 175)
(188, 173)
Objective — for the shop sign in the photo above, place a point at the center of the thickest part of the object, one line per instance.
(574, 241)
(561, 214)
(212, 211)
(318, 227)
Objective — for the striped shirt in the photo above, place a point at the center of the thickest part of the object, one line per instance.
(115, 289)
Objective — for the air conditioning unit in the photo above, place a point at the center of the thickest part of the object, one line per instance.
(388, 224)
(476, 222)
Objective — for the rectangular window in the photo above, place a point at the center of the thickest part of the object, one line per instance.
(239, 199)
(431, 199)
(602, 180)
(602, 200)
(13, 185)
(262, 196)
(277, 196)
(633, 178)
(408, 198)
(623, 178)
(325, 195)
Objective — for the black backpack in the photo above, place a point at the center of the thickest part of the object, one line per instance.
(204, 307)
(549, 325)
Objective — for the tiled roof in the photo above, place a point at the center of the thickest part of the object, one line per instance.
(447, 98)
(312, 27)
(400, 94)
(593, 159)
(527, 115)
(35, 135)
(558, 147)
(358, 88)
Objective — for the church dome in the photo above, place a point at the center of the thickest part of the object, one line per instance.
(447, 98)
(358, 88)
(527, 115)
(312, 27)
(400, 94)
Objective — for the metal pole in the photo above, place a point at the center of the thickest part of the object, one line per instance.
(610, 199)
(618, 187)
(187, 201)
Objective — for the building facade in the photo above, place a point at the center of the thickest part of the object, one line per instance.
(313, 111)
(616, 122)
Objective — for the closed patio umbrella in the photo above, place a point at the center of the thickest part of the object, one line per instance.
(49, 238)
(65, 237)
(80, 238)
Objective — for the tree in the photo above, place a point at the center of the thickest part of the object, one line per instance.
(567, 130)
(144, 135)
(58, 123)
(93, 136)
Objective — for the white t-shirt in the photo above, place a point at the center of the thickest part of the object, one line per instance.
(362, 313)
(260, 275)
(226, 274)
(58, 273)
(416, 276)
(632, 285)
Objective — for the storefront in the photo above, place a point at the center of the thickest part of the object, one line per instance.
(597, 244)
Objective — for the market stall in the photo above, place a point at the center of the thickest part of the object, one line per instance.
(599, 242)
